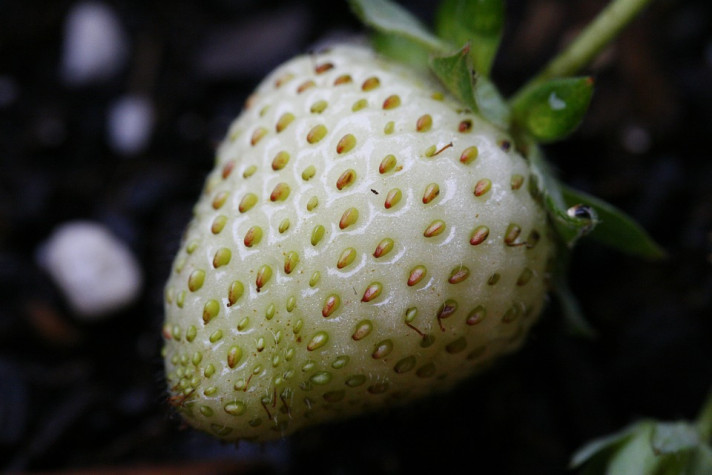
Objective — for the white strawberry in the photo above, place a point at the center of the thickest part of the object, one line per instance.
(367, 237)
(361, 241)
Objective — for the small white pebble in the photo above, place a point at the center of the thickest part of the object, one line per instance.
(96, 271)
(130, 124)
(95, 45)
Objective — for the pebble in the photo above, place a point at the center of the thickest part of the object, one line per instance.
(130, 124)
(95, 45)
(97, 272)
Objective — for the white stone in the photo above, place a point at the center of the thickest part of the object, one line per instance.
(96, 271)
(95, 45)
(130, 124)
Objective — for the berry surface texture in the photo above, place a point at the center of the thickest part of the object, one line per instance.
(363, 240)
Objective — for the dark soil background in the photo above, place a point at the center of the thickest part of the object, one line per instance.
(89, 395)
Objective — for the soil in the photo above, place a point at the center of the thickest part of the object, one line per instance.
(89, 395)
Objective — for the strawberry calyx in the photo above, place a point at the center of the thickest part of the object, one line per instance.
(479, 23)
(653, 446)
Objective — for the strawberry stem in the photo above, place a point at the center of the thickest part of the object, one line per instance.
(596, 36)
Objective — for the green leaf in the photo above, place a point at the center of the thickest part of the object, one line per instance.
(627, 451)
(390, 18)
(671, 437)
(704, 420)
(455, 72)
(403, 49)
(597, 446)
(636, 454)
(490, 102)
(675, 445)
(616, 229)
(649, 447)
(571, 223)
(700, 460)
(479, 22)
(646, 447)
(552, 110)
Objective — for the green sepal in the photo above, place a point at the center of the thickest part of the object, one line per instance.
(552, 110)
(490, 102)
(570, 224)
(455, 72)
(390, 18)
(616, 230)
(472, 89)
(478, 22)
(401, 48)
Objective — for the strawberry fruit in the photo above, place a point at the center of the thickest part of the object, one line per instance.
(360, 241)
(366, 237)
